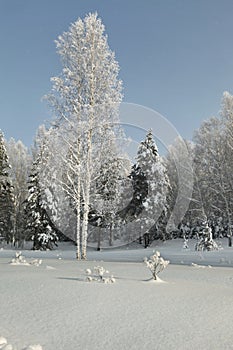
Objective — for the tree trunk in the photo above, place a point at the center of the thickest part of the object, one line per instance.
(78, 233)
(110, 236)
(78, 218)
(99, 239)
(86, 196)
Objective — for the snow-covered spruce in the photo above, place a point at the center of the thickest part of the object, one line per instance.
(206, 241)
(156, 264)
(98, 275)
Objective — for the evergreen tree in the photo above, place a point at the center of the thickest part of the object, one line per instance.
(7, 213)
(155, 205)
(39, 226)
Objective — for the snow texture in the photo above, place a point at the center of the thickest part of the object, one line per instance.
(59, 310)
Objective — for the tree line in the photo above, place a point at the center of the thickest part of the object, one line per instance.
(78, 182)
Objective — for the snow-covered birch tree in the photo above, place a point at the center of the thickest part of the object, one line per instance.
(85, 97)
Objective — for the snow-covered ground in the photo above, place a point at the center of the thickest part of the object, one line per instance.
(52, 304)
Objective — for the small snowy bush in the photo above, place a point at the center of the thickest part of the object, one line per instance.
(156, 264)
(19, 259)
(5, 346)
(3, 342)
(185, 243)
(98, 275)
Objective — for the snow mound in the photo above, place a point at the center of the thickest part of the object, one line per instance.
(34, 347)
(153, 281)
(8, 347)
(200, 266)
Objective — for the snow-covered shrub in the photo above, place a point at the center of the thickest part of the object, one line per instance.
(3, 342)
(36, 262)
(5, 346)
(185, 243)
(156, 264)
(98, 275)
(19, 259)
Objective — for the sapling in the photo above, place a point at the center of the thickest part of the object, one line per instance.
(156, 264)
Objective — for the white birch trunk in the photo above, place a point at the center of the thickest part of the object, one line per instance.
(78, 223)
(86, 195)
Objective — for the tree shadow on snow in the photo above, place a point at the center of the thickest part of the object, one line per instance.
(71, 279)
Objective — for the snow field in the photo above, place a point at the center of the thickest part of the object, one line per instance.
(52, 305)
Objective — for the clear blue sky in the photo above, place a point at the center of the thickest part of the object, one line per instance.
(176, 56)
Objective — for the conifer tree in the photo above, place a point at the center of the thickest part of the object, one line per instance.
(155, 205)
(39, 226)
(7, 214)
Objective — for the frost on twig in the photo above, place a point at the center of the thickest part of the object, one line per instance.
(156, 264)
(98, 275)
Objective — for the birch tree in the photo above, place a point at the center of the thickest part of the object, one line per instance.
(85, 97)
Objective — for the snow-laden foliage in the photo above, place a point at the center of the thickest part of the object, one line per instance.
(155, 204)
(7, 210)
(156, 264)
(99, 274)
(206, 241)
(85, 99)
(39, 226)
(20, 161)
(179, 166)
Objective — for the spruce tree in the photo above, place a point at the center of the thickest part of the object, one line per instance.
(155, 204)
(39, 226)
(6, 196)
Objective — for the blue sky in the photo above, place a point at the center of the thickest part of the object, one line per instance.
(176, 56)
